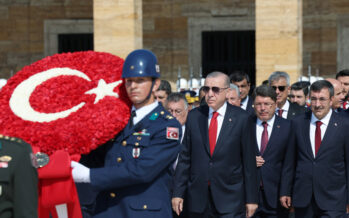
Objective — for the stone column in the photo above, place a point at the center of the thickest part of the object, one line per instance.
(278, 38)
(117, 26)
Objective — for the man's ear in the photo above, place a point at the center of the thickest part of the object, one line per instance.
(156, 84)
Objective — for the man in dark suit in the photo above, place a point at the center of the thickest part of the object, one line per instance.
(280, 82)
(275, 150)
(217, 166)
(321, 178)
(242, 81)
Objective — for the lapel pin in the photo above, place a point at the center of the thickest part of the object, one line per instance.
(278, 126)
(229, 119)
(335, 124)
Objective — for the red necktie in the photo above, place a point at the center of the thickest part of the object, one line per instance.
(280, 112)
(317, 136)
(264, 140)
(212, 132)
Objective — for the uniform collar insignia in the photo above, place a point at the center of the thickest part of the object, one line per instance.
(154, 116)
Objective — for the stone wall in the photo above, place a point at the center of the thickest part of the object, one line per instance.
(278, 38)
(172, 29)
(325, 34)
(22, 28)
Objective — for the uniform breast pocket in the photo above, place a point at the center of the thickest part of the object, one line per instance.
(4, 182)
(146, 204)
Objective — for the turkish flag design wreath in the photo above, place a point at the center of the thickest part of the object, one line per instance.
(65, 105)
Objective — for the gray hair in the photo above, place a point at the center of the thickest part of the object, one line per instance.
(215, 74)
(277, 75)
(176, 97)
(234, 87)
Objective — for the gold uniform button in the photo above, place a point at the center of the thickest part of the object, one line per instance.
(145, 207)
(139, 138)
(136, 144)
(119, 159)
(112, 194)
(162, 112)
(124, 143)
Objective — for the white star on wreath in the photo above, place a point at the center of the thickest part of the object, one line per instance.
(103, 89)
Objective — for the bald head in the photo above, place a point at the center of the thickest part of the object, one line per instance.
(339, 93)
(335, 83)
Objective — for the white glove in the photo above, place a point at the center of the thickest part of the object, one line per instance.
(81, 174)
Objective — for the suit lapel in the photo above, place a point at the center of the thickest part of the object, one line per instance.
(228, 122)
(203, 126)
(254, 129)
(291, 112)
(274, 133)
(306, 134)
(330, 132)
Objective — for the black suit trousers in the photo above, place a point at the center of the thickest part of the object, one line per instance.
(211, 211)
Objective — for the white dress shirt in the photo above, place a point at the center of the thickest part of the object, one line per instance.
(260, 129)
(220, 117)
(244, 103)
(323, 128)
(285, 109)
(143, 111)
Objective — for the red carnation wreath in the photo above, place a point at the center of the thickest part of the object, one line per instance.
(36, 103)
(64, 105)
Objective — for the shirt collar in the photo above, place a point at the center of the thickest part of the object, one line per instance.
(245, 101)
(324, 120)
(286, 106)
(141, 112)
(269, 122)
(221, 110)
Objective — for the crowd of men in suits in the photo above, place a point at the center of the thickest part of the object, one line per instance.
(281, 149)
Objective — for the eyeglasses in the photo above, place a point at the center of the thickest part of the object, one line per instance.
(281, 88)
(214, 89)
(175, 111)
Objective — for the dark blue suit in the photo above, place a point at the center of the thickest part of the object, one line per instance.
(274, 174)
(249, 108)
(138, 187)
(231, 170)
(325, 178)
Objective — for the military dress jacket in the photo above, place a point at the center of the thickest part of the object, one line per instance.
(135, 180)
(18, 179)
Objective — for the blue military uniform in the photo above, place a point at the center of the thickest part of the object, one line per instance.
(136, 178)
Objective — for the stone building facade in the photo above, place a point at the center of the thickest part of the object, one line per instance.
(290, 35)
(29, 29)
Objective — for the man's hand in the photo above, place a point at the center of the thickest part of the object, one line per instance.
(260, 161)
(80, 173)
(285, 201)
(251, 209)
(347, 208)
(177, 205)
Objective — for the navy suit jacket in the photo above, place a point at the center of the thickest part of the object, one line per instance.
(279, 157)
(327, 175)
(231, 170)
(249, 108)
(294, 110)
